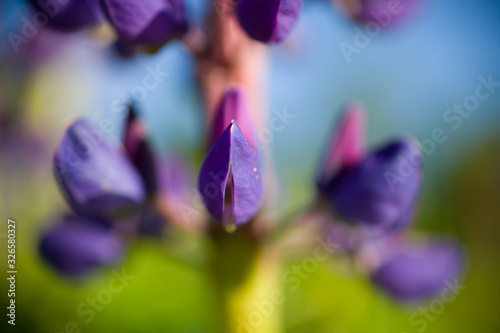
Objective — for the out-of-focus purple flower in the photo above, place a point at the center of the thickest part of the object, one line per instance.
(97, 178)
(230, 182)
(381, 189)
(146, 22)
(69, 15)
(347, 147)
(138, 150)
(382, 12)
(268, 20)
(378, 189)
(233, 106)
(418, 270)
(76, 246)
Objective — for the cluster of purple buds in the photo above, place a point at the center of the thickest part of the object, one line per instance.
(137, 22)
(376, 192)
(115, 192)
(155, 22)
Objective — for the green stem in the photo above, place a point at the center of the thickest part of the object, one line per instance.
(247, 280)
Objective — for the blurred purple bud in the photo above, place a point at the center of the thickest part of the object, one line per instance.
(230, 183)
(146, 22)
(69, 15)
(382, 12)
(233, 106)
(96, 178)
(419, 270)
(382, 188)
(347, 146)
(138, 150)
(77, 246)
(268, 20)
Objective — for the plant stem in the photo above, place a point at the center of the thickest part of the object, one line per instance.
(248, 285)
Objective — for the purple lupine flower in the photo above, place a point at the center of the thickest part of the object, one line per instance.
(230, 182)
(268, 20)
(233, 106)
(377, 190)
(69, 15)
(96, 178)
(417, 270)
(146, 22)
(139, 151)
(77, 246)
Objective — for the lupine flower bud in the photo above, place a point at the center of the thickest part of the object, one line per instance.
(233, 106)
(230, 182)
(347, 147)
(268, 20)
(97, 179)
(76, 246)
(381, 12)
(70, 14)
(381, 189)
(138, 150)
(146, 22)
(418, 270)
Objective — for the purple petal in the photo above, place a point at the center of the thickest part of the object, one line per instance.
(76, 246)
(347, 146)
(414, 271)
(268, 20)
(96, 178)
(233, 106)
(381, 189)
(139, 151)
(69, 15)
(146, 22)
(231, 163)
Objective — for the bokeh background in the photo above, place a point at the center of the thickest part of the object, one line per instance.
(407, 77)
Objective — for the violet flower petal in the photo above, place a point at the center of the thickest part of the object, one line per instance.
(347, 146)
(415, 271)
(231, 163)
(96, 178)
(76, 246)
(69, 15)
(268, 20)
(379, 190)
(146, 22)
